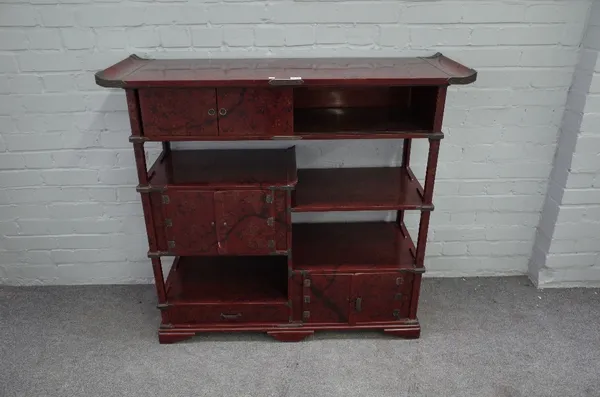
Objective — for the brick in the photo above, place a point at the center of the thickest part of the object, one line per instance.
(237, 13)
(430, 13)
(110, 16)
(173, 14)
(330, 34)
(59, 83)
(77, 38)
(333, 13)
(63, 226)
(266, 35)
(25, 84)
(11, 39)
(512, 233)
(44, 39)
(299, 35)
(11, 161)
(107, 102)
(557, 261)
(57, 16)
(75, 210)
(23, 211)
(8, 63)
(110, 38)
(557, 12)
(87, 256)
(19, 274)
(15, 15)
(238, 36)
(122, 176)
(431, 36)
(142, 37)
(394, 36)
(581, 196)
(173, 36)
(70, 177)
(48, 62)
(50, 103)
(20, 178)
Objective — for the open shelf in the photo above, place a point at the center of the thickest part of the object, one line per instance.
(225, 168)
(360, 246)
(228, 279)
(357, 189)
(364, 111)
(353, 120)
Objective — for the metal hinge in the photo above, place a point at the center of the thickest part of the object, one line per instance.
(305, 315)
(137, 139)
(171, 244)
(168, 222)
(165, 199)
(149, 189)
(396, 314)
(306, 298)
(307, 283)
(270, 221)
(269, 198)
(399, 280)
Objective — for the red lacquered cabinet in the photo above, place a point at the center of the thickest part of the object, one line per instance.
(241, 264)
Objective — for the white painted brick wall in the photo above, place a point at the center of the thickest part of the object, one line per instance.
(68, 209)
(568, 240)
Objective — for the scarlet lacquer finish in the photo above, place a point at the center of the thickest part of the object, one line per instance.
(226, 215)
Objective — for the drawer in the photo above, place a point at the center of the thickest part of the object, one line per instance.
(225, 313)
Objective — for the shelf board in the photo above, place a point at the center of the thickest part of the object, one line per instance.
(357, 189)
(228, 279)
(225, 168)
(359, 246)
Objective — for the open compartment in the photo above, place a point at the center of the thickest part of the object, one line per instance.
(228, 279)
(319, 110)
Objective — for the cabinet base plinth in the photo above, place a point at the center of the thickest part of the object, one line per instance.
(290, 336)
(406, 330)
(167, 337)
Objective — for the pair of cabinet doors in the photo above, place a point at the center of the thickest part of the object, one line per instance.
(212, 112)
(355, 298)
(227, 222)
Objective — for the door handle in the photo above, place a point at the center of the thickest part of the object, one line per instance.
(358, 304)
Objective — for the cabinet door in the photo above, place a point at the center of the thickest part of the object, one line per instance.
(326, 298)
(380, 297)
(178, 112)
(245, 223)
(190, 222)
(255, 111)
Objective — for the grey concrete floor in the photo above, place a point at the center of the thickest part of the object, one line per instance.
(481, 337)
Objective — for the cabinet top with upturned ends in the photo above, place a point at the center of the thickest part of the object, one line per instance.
(136, 72)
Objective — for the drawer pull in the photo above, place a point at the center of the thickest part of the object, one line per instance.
(222, 111)
(211, 112)
(235, 316)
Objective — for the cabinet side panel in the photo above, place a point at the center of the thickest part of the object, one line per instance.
(158, 221)
(281, 222)
(134, 112)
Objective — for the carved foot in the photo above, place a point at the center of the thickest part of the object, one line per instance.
(173, 337)
(410, 333)
(290, 336)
